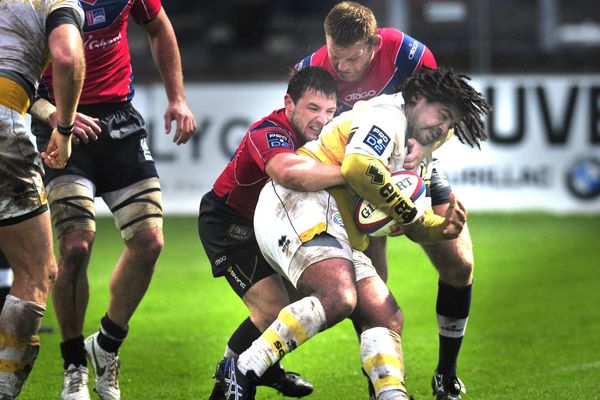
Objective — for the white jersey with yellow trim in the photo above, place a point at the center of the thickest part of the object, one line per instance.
(374, 128)
(23, 35)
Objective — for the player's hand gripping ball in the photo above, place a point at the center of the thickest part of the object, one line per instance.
(375, 222)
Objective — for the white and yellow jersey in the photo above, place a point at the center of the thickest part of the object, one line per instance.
(376, 128)
(364, 141)
(23, 35)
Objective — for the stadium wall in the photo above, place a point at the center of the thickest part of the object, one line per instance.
(543, 152)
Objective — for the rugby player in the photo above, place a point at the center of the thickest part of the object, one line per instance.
(111, 160)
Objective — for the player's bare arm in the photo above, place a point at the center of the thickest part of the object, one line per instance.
(303, 173)
(66, 48)
(165, 52)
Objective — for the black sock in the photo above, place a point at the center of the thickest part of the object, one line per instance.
(73, 352)
(111, 335)
(454, 303)
(243, 336)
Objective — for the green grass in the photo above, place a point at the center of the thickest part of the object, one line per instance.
(534, 331)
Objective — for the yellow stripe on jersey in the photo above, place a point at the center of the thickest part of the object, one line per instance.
(312, 232)
(12, 95)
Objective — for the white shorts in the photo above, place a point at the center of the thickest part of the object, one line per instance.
(21, 171)
(296, 229)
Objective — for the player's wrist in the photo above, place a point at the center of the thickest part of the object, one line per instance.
(65, 130)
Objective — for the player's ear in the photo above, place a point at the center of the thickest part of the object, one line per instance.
(377, 42)
(288, 102)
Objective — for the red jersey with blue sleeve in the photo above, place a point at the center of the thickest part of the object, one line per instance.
(399, 57)
(242, 179)
(109, 74)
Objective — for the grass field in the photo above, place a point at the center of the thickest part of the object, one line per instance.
(534, 330)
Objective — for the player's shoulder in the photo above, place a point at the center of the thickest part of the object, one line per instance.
(393, 102)
(317, 59)
(274, 127)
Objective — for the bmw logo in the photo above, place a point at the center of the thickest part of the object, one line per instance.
(583, 178)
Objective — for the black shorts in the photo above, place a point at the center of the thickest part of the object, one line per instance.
(230, 244)
(439, 188)
(117, 159)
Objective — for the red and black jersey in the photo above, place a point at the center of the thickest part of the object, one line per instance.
(242, 179)
(109, 73)
(399, 57)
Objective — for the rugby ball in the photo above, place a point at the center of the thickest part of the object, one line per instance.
(375, 222)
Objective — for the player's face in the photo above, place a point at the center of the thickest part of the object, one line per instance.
(310, 113)
(350, 62)
(430, 122)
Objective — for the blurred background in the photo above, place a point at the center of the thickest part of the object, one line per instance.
(536, 61)
(260, 39)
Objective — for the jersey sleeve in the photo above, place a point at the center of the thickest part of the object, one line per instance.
(72, 5)
(428, 59)
(377, 135)
(377, 132)
(264, 144)
(305, 62)
(144, 11)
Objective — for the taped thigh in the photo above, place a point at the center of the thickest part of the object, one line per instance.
(72, 206)
(136, 207)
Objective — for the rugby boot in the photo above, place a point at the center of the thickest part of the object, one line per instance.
(447, 387)
(234, 384)
(288, 383)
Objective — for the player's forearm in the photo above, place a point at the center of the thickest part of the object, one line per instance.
(303, 173)
(68, 71)
(165, 53)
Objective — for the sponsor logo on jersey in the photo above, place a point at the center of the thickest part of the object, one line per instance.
(239, 232)
(95, 16)
(337, 218)
(377, 139)
(275, 139)
(236, 278)
(360, 95)
(414, 46)
(220, 260)
(284, 243)
(92, 43)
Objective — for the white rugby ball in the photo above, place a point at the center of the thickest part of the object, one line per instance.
(375, 222)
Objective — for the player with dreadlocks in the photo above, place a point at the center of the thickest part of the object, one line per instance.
(366, 61)
(322, 257)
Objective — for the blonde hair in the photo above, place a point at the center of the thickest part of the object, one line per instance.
(348, 23)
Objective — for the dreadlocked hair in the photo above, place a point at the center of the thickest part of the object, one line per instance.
(445, 86)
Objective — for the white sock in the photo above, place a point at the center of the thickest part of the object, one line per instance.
(381, 354)
(19, 344)
(295, 324)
